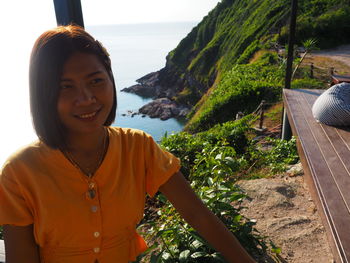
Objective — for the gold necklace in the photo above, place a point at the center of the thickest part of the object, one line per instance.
(91, 191)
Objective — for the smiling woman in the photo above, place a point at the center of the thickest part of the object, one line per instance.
(76, 80)
(23, 22)
(86, 96)
(78, 193)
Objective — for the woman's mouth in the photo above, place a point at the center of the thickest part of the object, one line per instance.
(87, 116)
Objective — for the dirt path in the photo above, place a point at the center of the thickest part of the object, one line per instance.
(341, 54)
(285, 212)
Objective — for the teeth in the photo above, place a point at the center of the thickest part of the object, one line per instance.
(88, 115)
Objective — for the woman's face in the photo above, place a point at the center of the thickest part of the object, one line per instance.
(86, 94)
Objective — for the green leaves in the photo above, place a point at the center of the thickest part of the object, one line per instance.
(213, 161)
(274, 156)
(240, 89)
(184, 255)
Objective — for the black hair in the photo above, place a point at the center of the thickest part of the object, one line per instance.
(49, 54)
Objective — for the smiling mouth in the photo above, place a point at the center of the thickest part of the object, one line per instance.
(87, 115)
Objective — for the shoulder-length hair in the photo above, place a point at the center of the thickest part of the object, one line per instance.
(49, 54)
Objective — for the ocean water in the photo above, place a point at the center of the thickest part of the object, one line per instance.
(135, 51)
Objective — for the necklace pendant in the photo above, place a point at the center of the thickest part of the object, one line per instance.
(91, 193)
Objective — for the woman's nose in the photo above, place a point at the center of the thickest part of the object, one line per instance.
(85, 96)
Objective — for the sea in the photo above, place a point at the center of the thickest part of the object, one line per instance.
(136, 50)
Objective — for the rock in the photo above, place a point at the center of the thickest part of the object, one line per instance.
(295, 170)
(148, 86)
(162, 85)
(130, 113)
(184, 111)
(164, 109)
(141, 90)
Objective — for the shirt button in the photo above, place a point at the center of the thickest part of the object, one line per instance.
(96, 249)
(91, 185)
(94, 208)
(96, 234)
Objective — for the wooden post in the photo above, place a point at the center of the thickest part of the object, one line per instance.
(261, 122)
(291, 41)
(286, 130)
(312, 70)
(68, 12)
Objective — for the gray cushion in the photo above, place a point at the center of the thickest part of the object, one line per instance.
(333, 106)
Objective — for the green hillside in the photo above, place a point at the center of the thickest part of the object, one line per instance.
(231, 34)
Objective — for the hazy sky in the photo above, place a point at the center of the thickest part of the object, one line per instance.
(21, 22)
(41, 12)
(136, 11)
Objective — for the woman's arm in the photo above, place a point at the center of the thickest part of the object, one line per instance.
(192, 209)
(20, 245)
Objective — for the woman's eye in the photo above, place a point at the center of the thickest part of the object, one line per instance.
(97, 81)
(65, 86)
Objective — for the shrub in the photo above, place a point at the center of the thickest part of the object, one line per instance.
(308, 84)
(240, 89)
(214, 160)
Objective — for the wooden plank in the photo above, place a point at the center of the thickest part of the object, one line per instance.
(339, 138)
(330, 144)
(313, 184)
(340, 78)
(335, 152)
(321, 163)
(344, 134)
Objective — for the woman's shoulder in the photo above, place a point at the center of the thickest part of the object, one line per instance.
(27, 153)
(127, 133)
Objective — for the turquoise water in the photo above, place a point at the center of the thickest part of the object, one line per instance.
(137, 50)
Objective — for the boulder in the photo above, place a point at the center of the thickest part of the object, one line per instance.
(164, 109)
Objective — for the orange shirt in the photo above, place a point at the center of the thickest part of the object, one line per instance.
(39, 186)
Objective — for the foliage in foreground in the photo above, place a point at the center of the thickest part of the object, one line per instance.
(213, 161)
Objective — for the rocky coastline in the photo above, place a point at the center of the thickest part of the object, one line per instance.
(162, 106)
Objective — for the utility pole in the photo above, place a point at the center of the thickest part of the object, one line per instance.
(291, 42)
(68, 12)
(286, 129)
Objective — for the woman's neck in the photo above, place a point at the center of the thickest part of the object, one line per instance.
(87, 151)
(85, 144)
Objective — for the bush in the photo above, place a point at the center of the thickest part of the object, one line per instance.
(186, 146)
(275, 156)
(240, 89)
(308, 84)
(214, 161)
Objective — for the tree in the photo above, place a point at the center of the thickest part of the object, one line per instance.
(309, 45)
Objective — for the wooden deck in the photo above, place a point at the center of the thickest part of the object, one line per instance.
(336, 79)
(325, 155)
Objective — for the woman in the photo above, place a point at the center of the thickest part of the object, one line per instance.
(77, 194)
